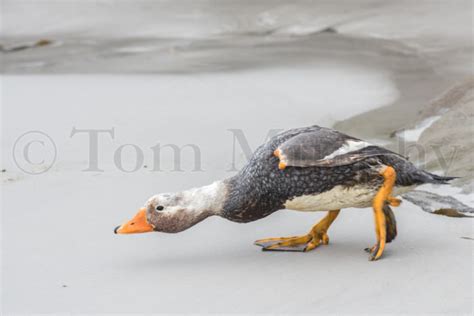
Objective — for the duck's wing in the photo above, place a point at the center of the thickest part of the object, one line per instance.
(325, 148)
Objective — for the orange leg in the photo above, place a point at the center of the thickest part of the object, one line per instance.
(383, 196)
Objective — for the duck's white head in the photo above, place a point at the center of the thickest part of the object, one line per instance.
(175, 212)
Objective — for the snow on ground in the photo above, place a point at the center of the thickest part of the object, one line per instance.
(412, 135)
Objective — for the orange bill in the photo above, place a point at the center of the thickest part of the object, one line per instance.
(138, 224)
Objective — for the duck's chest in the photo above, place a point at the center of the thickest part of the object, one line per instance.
(339, 197)
(334, 199)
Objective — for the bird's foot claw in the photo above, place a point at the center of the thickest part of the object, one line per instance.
(303, 243)
(375, 252)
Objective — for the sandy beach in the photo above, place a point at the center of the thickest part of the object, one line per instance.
(377, 72)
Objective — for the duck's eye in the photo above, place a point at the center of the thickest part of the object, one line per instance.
(159, 208)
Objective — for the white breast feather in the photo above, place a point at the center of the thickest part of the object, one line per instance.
(339, 197)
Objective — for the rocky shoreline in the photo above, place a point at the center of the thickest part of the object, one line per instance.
(445, 146)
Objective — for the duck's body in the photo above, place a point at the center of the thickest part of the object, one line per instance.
(262, 188)
(304, 169)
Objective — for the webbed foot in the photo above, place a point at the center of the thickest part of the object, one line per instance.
(379, 204)
(375, 252)
(317, 236)
(303, 243)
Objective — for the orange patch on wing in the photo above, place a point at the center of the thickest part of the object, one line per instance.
(277, 152)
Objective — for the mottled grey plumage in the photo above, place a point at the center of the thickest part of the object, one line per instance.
(261, 188)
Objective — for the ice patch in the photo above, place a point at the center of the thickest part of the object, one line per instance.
(448, 190)
(412, 135)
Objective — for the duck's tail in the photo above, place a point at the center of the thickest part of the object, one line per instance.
(408, 174)
(418, 176)
(433, 178)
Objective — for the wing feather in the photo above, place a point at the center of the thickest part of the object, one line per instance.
(325, 148)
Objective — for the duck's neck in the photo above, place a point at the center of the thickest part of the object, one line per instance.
(207, 200)
(200, 203)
